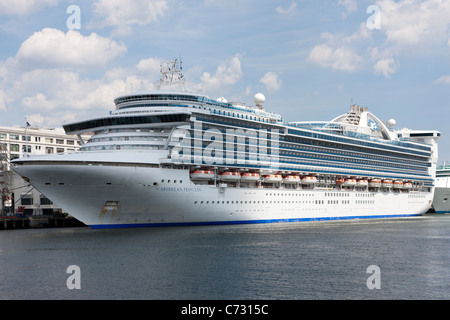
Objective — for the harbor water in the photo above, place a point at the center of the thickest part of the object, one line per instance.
(284, 261)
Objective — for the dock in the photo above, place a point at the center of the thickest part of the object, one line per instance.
(33, 222)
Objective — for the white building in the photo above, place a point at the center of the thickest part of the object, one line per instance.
(17, 196)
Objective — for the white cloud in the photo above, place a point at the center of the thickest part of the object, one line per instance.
(50, 96)
(227, 73)
(52, 48)
(119, 12)
(339, 52)
(24, 7)
(285, 11)
(415, 23)
(341, 58)
(271, 81)
(2, 101)
(417, 27)
(386, 67)
(50, 90)
(350, 5)
(443, 80)
(150, 66)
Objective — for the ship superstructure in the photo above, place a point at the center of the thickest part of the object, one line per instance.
(168, 158)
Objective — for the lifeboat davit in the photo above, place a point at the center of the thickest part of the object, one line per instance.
(309, 180)
(398, 184)
(272, 178)
(387, 183)
(290, 179)
(202, 174)
(375, 183)
(249, 177)
(230, 176)
(349, 182)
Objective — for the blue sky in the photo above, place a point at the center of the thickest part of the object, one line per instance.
(311, 59)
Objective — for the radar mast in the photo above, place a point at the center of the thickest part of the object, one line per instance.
(172, 77)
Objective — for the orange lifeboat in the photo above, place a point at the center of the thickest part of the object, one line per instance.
(202, 174)
(249, 177)
(230, 176)
(350, 182)
(375, 183)
(407, 185)
(291, 179)
(387, 183)
(309, 180)
(362, 183)
(398, 184)
(272, 178)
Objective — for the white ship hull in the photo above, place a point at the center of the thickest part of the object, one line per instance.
(114, 196)
(441, 200)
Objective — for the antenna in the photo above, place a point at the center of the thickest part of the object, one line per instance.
(172, 75)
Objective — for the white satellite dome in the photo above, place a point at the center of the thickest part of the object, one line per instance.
(222, 99)
(392, 123)
(259, 99)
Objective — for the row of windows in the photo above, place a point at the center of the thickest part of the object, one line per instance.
(373, 164)
(126, 120)
(385, 145)
(364, 201)
(365, 195)
(298, 153)
(254, 139)
(204, 104)
(337, 201)
(127, 138)
(355, 145)
(290, 194)
(16, 148)
(287, 202)
(337, 194)
(345, 151)
(28, 201)
(260, 202)
(240, 155)
(16, 137)
(122, 147)
(364, 143)
(171, 97)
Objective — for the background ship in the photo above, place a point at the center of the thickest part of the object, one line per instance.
(441, 203)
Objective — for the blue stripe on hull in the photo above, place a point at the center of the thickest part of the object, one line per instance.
(442, 212)
(211, 223)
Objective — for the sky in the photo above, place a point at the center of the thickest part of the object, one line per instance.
(62, 61)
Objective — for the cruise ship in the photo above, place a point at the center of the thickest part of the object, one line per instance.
(172, 158)
(441, 203)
